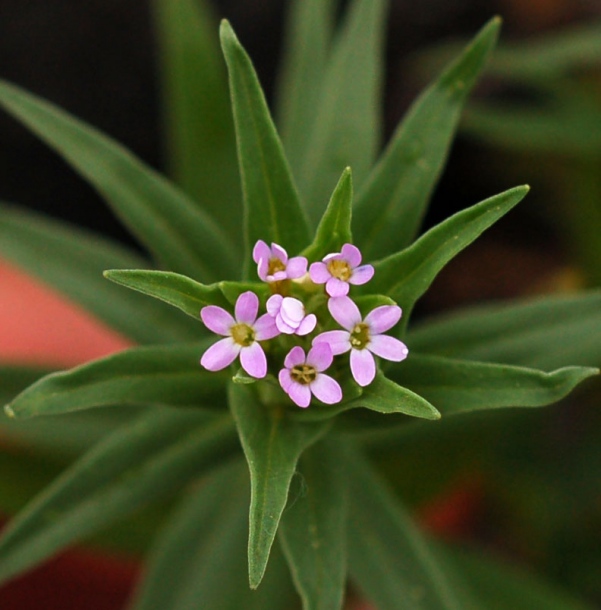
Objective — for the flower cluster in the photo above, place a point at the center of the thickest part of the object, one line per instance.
(303, 373)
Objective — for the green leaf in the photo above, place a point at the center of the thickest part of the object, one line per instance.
(162, 375)
(273, 210)
(175, 231)
(519, 333)
(177, 290)
(72, 261)
(199, 559)
(308, 35)
(406, 275)
(272, 442)
(197, 115)
(313, 528)
(334, 229)
(141, 463)
(455, 386)
(389, 560)
(345, 126)
(390, 208)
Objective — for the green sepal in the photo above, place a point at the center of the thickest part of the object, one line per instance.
(273, 211)
(272, 443)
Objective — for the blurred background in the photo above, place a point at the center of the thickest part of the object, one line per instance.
(529, 485)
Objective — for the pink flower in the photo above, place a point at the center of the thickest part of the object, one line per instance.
(273, 264)
(289, 314)
(304, 376)
(340, 269)
(363, 337)
(242, 336)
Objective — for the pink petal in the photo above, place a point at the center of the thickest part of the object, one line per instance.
(263, 268)
(345, 312)
(363, 366)
(361, 275)
(274, 302)
(283, 327)
(292, 311)
(279, 252)
(247, 307)
(338, 340)
(388, 348)
(217, 320)
(319, 273)
(253, 360)
(307, 325)
(295, 357)
(300, 394)
(351, 254)
(220, 355)
(265, 328)
(320, 356)
(261, 251)
(332, 257)
(335, 287)
(326, 389)
(296, 267)
(383, 318)
(278, 276)
(285, 380)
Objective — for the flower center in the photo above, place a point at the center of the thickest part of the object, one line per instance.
(340, 269)
(242, 334)
(303, 374)
(275, 265)
(360, 336)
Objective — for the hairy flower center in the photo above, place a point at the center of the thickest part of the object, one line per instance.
(360, 336)
(275, 265)
(303, 373)
(242, 334)
(340, 269)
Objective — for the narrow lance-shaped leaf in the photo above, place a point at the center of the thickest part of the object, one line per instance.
(307, 40)
(273, 211)
(345, 126)
(456, 386)
(198, 117)
(272, 442)
(390, 208)
(389, 560)
(199, 559)
(406, 275)
(173, 228)
(141, 463)
(519, 333)
(163, 375)
(72, 260)
(313, 529)
(334, 229)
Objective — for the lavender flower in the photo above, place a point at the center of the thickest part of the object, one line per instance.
(363, 337)
(304, 376)
(340, 269)
(241, 336)
(289, 314)
(273, 264)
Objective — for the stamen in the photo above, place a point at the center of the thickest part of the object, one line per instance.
(359, 338)
(340, 269)
(242, 334)
(275, 265)
(303, 374)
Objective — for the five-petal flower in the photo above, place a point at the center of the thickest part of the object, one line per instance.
(273, 264)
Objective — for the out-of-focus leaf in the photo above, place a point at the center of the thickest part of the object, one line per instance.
(273, 211)
(72, 261)
(174, 230)
(200, 561)
(334, 229)
(544, 333)
(313, 528)
(141, 463)
(406, 275)
(272, 442)
(308, 35)
(345, 125)
(454, 386)
(163, 375)
(389, 561)
(198, 118)
(390, 207)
